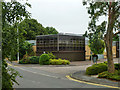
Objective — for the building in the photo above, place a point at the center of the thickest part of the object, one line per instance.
(65, 46)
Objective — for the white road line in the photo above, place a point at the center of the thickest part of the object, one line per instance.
(37, 73)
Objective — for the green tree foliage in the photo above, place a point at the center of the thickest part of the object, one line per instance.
(106, 27)
(51, 30)
(31, 29)
(96, 44)
(116, 38)
(12, 13)
(26, 47)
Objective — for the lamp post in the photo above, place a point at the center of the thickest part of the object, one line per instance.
(18, 44)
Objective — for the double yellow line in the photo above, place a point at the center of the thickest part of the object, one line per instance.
(90, 83)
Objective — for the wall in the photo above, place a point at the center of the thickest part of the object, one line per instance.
(72, 56)
(34, 49)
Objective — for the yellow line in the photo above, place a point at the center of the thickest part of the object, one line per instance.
(11, 65)
(81, 81)
(90, 83)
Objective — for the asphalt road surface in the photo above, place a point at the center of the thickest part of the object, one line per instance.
(37, 78)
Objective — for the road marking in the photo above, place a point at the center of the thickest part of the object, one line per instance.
(89, 82)
(33, 72)
(11, 65)
(67, 77)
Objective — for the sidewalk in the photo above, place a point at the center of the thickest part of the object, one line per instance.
(88, 62)
(80, 75)
(73, 63)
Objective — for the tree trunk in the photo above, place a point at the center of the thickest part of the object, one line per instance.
(108, 39)
(108, 43)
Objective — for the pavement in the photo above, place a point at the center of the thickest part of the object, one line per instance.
(80, 75)
(75, 72)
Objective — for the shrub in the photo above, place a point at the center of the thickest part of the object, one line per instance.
(117, 66)
(113, 76)
(29, 60)
(44, 59)
(59, 62)
(25, 60)
(96, 68)
(51, 56)
(106, 62)
(34, 60)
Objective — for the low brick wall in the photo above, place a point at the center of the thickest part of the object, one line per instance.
(72, 56)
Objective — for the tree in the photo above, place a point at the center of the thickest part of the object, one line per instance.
(97, 46)
(12, 13)
(110, 9)
(116, 38)
(31, 29)
(26, 47)
(51, 30)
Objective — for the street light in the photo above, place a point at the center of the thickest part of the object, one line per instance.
(18, 44)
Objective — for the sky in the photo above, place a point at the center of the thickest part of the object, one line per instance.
(67, 16)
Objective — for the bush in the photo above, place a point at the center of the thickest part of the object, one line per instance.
(51, 56)
(34, 60)
(96, 68)
(113, 76)
(59, 62)
(25, 60)
(44, 59)
(29, 60)
(117, 66)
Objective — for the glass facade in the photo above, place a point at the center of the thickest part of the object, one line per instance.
(58, 42)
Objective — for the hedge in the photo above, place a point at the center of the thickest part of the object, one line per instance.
(59, 62)
(96, 68)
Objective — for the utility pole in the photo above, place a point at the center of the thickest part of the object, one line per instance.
(18, 43)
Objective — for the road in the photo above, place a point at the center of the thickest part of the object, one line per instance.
(36, 77)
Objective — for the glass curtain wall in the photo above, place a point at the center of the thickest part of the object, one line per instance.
(47, 43)
(66, 43)
(71, 43)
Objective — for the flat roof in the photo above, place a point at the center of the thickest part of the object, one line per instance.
(66, 34)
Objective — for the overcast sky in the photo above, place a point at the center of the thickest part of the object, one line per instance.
(67, 16)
